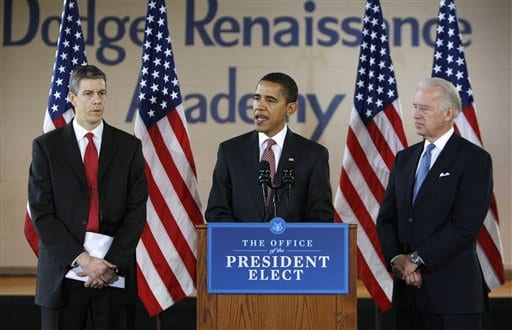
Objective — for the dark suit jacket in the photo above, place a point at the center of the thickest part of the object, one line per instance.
(442, 225)
(59, 202)
(237, 196)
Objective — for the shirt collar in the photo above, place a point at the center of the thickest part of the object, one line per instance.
(278, 138)
(441, 141)
(80, 131)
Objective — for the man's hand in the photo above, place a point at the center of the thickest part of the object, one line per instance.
(406, 270)
(415, 279)
(403, 266)
(101, 272)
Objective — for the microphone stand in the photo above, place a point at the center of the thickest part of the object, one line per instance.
(287, 182)
(265, 182)
(275, 198)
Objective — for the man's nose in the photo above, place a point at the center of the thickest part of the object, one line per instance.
(259, 104)
(97, 99)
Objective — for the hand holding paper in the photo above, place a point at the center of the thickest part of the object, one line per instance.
(95, 271)
(100, 272)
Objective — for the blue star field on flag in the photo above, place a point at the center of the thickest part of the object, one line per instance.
(159, 90)
(70, 53)
(375, 83)
(449, 59)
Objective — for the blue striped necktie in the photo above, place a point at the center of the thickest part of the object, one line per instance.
(422, 170)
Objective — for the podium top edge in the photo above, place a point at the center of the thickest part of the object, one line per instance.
(205, 225)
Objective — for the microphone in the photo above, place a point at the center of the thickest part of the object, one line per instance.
(288, 178)
(264, 175)
(264, 181)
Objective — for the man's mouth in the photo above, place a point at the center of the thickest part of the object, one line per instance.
(260, 118)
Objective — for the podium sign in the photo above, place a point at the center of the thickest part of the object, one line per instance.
(278, 258)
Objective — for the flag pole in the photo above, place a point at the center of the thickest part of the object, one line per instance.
(375, 134)
(159, 321)
(378, 317)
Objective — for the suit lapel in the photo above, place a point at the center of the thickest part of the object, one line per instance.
(109, 146)
(411, 170)
(72, 154)
(287, 159)
(250, 154)
(287, 155)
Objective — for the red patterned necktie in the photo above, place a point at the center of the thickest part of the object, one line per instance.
(269, 156)
(91, 172)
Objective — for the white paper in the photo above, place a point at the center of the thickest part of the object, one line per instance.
(96, 245)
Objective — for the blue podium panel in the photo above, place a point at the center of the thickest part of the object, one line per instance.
(278, 258)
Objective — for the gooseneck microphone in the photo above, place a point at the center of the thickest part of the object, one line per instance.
(288, 180)
(265, 182)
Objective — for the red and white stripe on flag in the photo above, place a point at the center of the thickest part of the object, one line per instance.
(489, 245)
(374, 137)
(69, 54)
(166, 253)
(450, 64)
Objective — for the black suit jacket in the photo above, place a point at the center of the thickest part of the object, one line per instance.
(441, 225)
(59, 202)
(237, 196)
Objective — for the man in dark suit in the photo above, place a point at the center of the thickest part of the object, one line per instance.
(237, 193)
(65, 204)
(428, 230)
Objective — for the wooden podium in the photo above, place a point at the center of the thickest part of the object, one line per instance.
(277, 311)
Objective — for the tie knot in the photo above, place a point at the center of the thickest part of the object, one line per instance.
(89, 137)
(430, 147)
(270, 143)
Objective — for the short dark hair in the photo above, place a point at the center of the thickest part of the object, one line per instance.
(289, 86)
(84, 72)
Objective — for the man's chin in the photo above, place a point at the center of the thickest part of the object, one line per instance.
(260, 128)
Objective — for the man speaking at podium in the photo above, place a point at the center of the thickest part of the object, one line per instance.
(271, 171)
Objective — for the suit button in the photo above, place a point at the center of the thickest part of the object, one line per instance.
(84, 222)
(409, 220)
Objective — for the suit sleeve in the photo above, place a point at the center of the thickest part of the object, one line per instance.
(53, 233)
(219, 201)
(387, 219)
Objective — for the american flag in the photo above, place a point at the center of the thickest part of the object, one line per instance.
(166, 253)
(450, 64)
(374, 137)
(70, 53)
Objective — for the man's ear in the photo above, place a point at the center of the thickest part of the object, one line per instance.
(449, 113)
(291, 108)
(72, 98)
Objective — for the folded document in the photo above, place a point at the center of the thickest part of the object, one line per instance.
(97, 246)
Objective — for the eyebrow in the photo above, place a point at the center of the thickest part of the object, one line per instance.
(268, 97)
(91, 90)
(421, 105)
